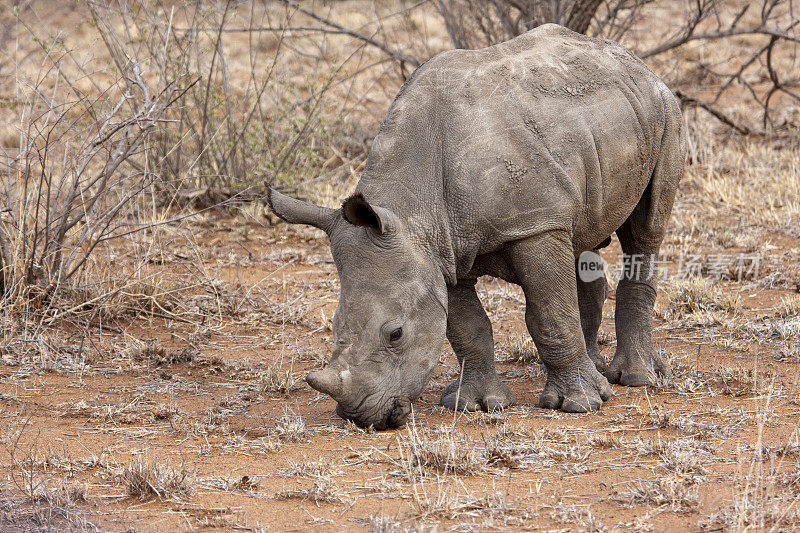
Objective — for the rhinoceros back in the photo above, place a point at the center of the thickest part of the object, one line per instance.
(552, 130)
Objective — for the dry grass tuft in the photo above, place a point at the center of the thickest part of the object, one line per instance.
(723, 379)
(493, 509)
(387, 524)
(789, 307)
(605, 440)
(700, 302)
(499, 456)
(47, 508)
(278, 379)
(148, 480)
(64, 495)
(154, 354)
(440, 450)
(740, 381)
(670, 492)
(766, 502)
(580, 517)
(323, 490)
(684, 463)
(290, 428)
(312, 469)
(521, 350)
(766, 452)
(789, 353)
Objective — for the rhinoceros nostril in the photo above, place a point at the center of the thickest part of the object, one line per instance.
(399, 413)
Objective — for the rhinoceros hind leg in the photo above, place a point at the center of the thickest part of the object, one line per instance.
(544, 267)
(591, 297)
(470, 334)
(636, 362)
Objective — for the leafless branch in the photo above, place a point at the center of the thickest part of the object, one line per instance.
(399, 56)
(690, 101)
(716, 35)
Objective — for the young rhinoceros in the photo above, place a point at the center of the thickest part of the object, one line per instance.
(509, 162)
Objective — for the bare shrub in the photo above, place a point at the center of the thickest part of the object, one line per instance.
(258, 110)
(760, 74)
(83, 164)
(164, 111)
(479, 23)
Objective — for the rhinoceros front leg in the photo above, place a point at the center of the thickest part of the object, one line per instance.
(591, 297)
(545, 268)
(470, 334)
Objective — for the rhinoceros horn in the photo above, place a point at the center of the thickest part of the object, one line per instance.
(299, 212)
(328, 381)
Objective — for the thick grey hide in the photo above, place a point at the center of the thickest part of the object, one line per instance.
(509, 162)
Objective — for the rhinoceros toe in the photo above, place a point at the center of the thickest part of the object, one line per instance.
(550, 399)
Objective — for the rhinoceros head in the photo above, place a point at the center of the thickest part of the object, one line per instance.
(390, 324)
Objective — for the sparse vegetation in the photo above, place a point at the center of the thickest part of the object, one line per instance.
(151, 353)
(278, 379)
(702, 303)
(442, 451)
(291, 428)
(790, 307)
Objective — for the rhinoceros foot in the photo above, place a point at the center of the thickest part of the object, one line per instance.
(637, 368)
(477, 394)
(575, 390)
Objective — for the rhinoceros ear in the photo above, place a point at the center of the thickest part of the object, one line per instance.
(299, 212)
(357, 211)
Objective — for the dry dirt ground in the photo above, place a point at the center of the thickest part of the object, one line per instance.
(176, 426)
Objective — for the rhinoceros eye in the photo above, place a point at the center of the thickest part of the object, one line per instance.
(395, 334)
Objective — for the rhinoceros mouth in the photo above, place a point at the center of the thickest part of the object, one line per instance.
(392, 414)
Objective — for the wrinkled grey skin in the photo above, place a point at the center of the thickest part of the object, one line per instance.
(509, 162)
